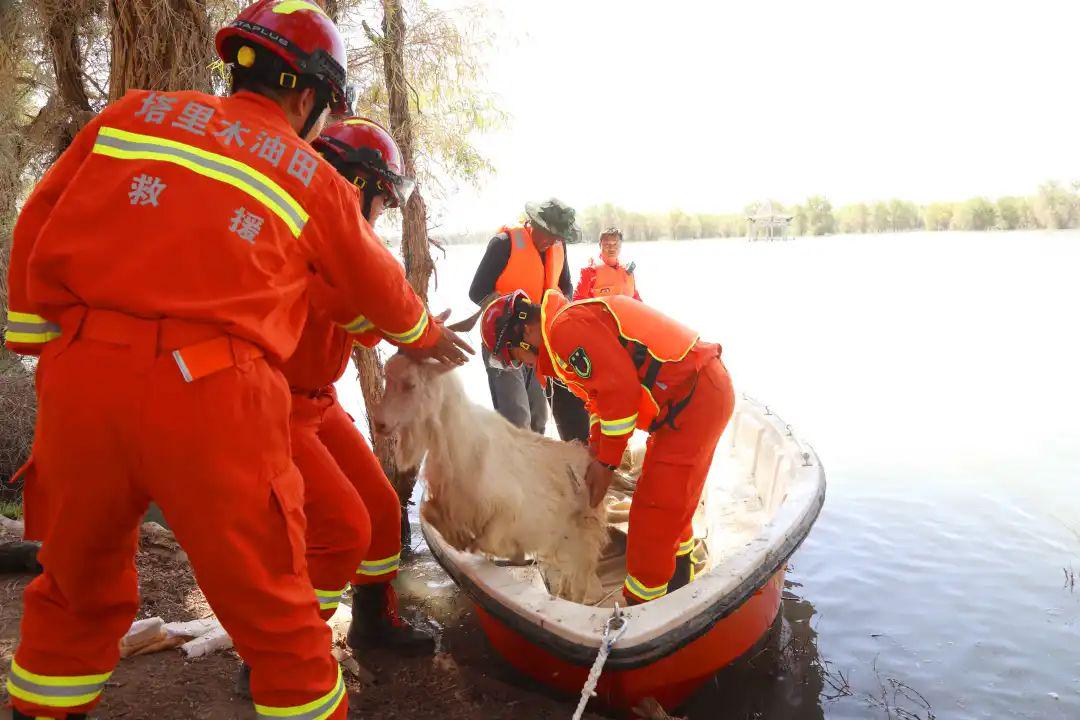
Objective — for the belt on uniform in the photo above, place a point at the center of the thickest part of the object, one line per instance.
(312, 394)
(198, 349)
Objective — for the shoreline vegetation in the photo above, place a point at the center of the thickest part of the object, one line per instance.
(1054, 206)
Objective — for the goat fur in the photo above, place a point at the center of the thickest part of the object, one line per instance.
(494, 488)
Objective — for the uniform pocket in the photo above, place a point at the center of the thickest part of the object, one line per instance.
(37, 509)
(287, 491)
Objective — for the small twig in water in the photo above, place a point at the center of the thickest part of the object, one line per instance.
(893, 694)
(837, 680)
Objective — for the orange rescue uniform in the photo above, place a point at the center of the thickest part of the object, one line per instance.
(525, 270)
(353, 512)
(598, 279)
(637, 368)
(158, 266)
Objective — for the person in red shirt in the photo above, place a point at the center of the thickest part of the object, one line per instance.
(609, 276)
(635, 368)
(159, 270)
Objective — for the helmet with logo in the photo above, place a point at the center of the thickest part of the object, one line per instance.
(363, 151)
(289, 44)
(503, 327)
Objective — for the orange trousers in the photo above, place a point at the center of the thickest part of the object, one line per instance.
(118, 427)
(677, 462)
(353, 512)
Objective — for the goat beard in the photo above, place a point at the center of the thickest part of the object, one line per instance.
(409, 451)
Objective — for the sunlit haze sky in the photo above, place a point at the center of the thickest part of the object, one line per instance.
(707, 106)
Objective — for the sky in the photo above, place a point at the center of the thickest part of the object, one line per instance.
(708, 106)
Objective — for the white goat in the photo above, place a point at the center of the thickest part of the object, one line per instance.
(492, 487)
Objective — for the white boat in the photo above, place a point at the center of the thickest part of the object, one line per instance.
(763, 494)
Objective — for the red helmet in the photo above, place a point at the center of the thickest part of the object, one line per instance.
(300, 36)
(361, 144)
(501, 328)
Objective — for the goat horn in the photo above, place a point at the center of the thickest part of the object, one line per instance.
(470, 322)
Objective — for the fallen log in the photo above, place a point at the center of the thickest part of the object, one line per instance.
(19, 556)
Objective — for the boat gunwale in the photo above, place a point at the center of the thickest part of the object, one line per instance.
(645, 652)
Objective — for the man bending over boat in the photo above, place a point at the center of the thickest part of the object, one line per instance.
(635, 368)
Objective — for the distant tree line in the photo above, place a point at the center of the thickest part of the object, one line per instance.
(1054, 206)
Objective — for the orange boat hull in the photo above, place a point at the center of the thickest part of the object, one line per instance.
(671, 679)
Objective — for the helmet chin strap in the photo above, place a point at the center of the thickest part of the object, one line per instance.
(322, 100)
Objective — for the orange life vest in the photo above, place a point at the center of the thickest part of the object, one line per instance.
(525, 271)
(650, 338)
(611, 280)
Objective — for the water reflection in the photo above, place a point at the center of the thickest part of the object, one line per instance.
(783, 679)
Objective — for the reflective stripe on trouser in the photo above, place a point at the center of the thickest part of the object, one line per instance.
(54, 691)
(676, 465)
(381, 570)
(636, 588)
(353, 512)
(329, 599)
(118, 427)
(319, 709)
(29, 329)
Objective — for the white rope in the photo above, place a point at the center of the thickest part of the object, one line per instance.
(613, 630)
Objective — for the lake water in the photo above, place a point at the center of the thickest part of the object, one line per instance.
(936, 374)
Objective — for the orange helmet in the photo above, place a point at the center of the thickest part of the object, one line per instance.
(286, 40)
(363, 151)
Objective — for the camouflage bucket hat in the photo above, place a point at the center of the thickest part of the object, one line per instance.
(556, 217)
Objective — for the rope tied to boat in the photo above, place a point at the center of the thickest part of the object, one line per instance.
(613, 630)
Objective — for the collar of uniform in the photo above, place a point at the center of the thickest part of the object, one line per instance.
(553, 302)
(273, 112)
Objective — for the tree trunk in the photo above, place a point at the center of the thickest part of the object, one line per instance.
(414, 243)
(11, 145)
(414, 237)
(159, 45)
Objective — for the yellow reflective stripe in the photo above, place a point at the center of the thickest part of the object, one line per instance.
(622, 426)
(30, 338)
(58, 691)
(329, 599)
(359, 324)
(593, 419)
(29, 329)
(14, 316)
(360, 121)
(49, 700)
(379, 567)
(288, 7)
(642, 591)
(412, 335)
(58, 680)
(319, 709)
(686, 548)
(125, 145)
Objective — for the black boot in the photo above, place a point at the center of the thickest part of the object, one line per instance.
(375, 623)
(243, 681)
(681, 576)
(16, 715)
